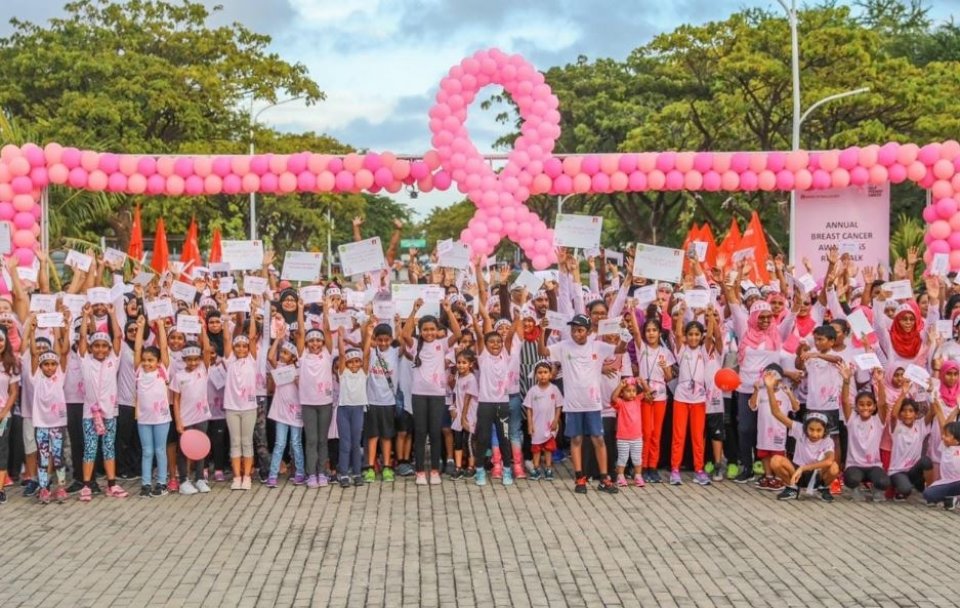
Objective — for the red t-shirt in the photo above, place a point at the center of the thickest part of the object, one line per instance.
(629, 420)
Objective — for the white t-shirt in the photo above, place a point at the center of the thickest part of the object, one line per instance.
(465, 387)
(649, 370)
(383, 365)
(494, 381)
(127, 377)
(824, 384)
(285, 406)
(771, 433)
(863, 441)
(544, 403)
(49, 407)
(808, 452)
(73, 387)
(907, 445)
(692, 375)
(353, 388)
(192, 386)
(100, 384)
(240, 391)
(949, 464)
(582, 367)
(430, 378)
(153, 405)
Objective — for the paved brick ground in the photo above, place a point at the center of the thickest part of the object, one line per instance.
(536, 544)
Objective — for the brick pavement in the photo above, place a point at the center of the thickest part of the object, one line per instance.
(536, 544)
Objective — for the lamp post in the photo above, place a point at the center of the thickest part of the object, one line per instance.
(253, 121)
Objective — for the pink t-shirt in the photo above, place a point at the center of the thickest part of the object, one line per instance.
(285, 407)
(907, 445)
(192, 386)
(824, 383)
(466, 386)
(714, 394)
(629, 420)
(582, 367)
(430, 377)
(513, 376)
(153, 405)
(648, 365)
(240, 390)
(73, 387)
(692, 375)
(771, 433)
(316, 378)
(808, 452)
(494, 376)
(863, 441)
(215, 401)
(949, 464)
(100, 384)
(49, 405)
(544, 403)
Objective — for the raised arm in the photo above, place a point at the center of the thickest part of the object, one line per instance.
(138, 343)
(455, 331)
(162, 342)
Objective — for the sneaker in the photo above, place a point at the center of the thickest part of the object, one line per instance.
(709, 468)
(3, 497)
(480, 478)
(449, 467)
(745, 476)
(548, 475)
(535, 475)
(836, 487)
(263, 477)
(187, 488)
(497, 472)
(237, 483)
(31, 488)
(507, 477)
(369, 476)
(639, 481)
(655, 476)
(299, 479)
(763, 483)
(202, 486)
(421, 479)
(75, 487)
(144, 492)
(457, 475)
(404, 469)
(60, 495)
(858, 495)
(271, 482)
(44, 496)
(519, 472)
(675, 479)
(312, 482)
(218, 476)
(646, 475)
(621, 481)
(159, 490)
(898, 497)
(344, 481)
(775, 485)
(950, 504)
(174, 485)
(322, 481)
(788, 493)
(879, 495)
(608, 486)
(86, 494)
(758, 467)
(825, 494)
(387, 474)
(358, 480)
(732, 470)
(115, 491)
(701, 478)
(436, 480)
(717, 475)
(581, 485)
(246, 484)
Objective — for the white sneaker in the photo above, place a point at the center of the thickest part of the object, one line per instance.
(202, 486)
(245, 484)
(187, 488)
(237, 483)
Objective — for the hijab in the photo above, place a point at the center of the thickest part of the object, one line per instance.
(907, 344)
(949, 394)
(756, 338)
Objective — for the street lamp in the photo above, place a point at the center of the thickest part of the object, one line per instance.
(253, 121)
(560, 201)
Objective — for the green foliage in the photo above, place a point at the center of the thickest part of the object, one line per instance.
(907, 234)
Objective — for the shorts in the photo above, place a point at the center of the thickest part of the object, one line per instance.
(805, 479)
(403, 422)
(580, 424)
(379, 422)
(29, 437)
(764, 454)
(833, 420)
(715, 427)
(550, 445)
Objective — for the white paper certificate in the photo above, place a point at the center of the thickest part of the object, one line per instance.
(453, 254)
(284, 375)
(78, 261)
(361, 257)
(658, 263)
(183, 292)
(901, 290)
(50, 319)
(867, 361)
(238, 304)
(99, 295)
(578, 231)
(302, 266)
(160, 308)
(43, 302)
(243, 255)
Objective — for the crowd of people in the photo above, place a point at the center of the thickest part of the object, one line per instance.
(484, 380)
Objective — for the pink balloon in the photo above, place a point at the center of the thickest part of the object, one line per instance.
(287, 182)
(829, 160)
(955, 222)
(52, 153)
(776, 161)
(646, 161)
(600, 183)
(7, 212)
(156, 184)
(117, 182)
(879, 175)
(859, 176)
(109, 163)
(19, 166)
(193, 185)
(202, 166)
(748, 180)
(767, 181)
(400, 169)
(929, 154)
(758, 161)
(442, 180)
(609, 163)
(137, 184)
(70, 157)
(627, 163)
(24, 255)
(344, 181)
(692, 180)
(24, 239)
(34, 155)
(540, 262)
(89, 160)
(939, 229)
(840, 178)
(250, 183)
(39, 177)
(259, 165)
(941, 189)
(24, 202)
(128, 164)
(907, 154)
(562, 184)
(850, 158)
(797, 160)
(887, 155)
(23, 185)
(146, 166)
(954, 260)
(582, 183)
(930, 213)
(221, 166)
(916, 171)
(363, 179)
(232, 184)
(802, 180)
(542, 183)
(943, 169)
(897, 173)
(618, 181)
(637, 181)
(23, 220)
(277, 163)
(953, 240)
(383, 176)
(868, 156)
(240, 165)
(785, 180)
(703, 162)
(269, 182)
(58, 174)
(352, 162)
(938, 246)
(666, 161)
(77, 178)
(297, 163)
(9, 152)
(674, 180)
(739, 162)
(166, 166)
(721, 162)
(684, 161)
(306, 181)
(590, 165)
(730, 181)
(175, 185)
(194, 444)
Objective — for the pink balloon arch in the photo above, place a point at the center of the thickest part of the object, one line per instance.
(499, 197)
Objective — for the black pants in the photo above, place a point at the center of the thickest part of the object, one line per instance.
(492, 416)
(128, 442)
(219, 444)
(746, 430)
(182, 459)
(428, 413)
(854, 476)
(16, 451)
(941, 492)
(731, 445)
(75, 433)
(905, 482)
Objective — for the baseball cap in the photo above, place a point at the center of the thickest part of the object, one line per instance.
(580, 321)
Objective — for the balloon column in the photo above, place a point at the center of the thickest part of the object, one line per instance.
(499, 197)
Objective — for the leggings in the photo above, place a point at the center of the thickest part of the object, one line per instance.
(350, 429)
(182, 459)
(50, 447)
(942, 491)
(128, 442)
(854, 476)
(652, 415)
(697, 414)
(517, 417)
(316, 428)
(153, 438)
(261, 446)
(746, 430)
(629, 449)
(493, 416)
(462, 441)
(5, 432)
(904, 482)
(16, 448)
(75, 434)
(219, 444)
(280, 444)
(241, 425)
(91, 440)
(428, 413)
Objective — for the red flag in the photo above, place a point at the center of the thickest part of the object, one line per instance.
(692, 236)
(161, 253)
(706, 235)
(216, 248)
(135, 250)
(730, 243)
(755, 238)
(191, 248)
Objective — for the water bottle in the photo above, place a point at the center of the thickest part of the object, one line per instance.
(98, 425)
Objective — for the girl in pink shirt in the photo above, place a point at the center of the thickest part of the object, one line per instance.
(191, 412)
(240, 401)
(315, 392)
(771, 434)
(864, 431)
(49, 410)
(493, 402)
(463, 412)
(909, 429)
(9, 389)
(285, 410)
(629, 428)
(152, 408)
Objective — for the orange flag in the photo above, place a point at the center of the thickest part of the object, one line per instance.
(730, 243)
(135, 250)
(692, 236)
(755, 238)
(191, 248)
(706, 235)
(161, 253)
(216, 248)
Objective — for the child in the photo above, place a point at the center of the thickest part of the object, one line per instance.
(9, 388)
(493, 403)
(315, 349)
(771, 434)
(822, 369)
(629, 429)
(814, 452)
(909, 429)
(382, 384)
(191, 411)
(947, 488)
(715, 424)
(153, 408)
(352, 369)
(864, 431)
(463, 413)
(544, 404)
(285, 410)
(49, 410)
(240, 400)
(655, 368)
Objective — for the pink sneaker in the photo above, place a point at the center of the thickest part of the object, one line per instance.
(621, 481)
(60, 495)
(638, 481)
(435, 478)
(86, 494)
(218, 475)
(421, 479)
(116, 491)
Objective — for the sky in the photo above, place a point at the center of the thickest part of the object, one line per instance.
(380, 61)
